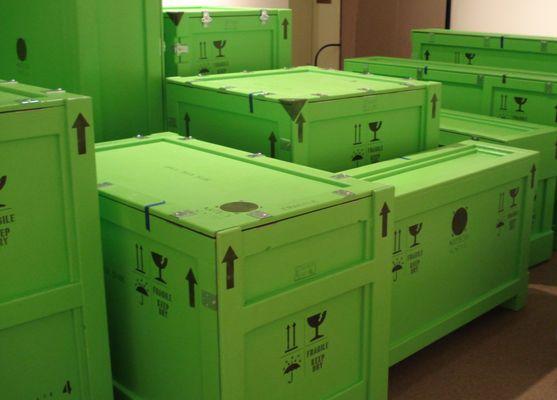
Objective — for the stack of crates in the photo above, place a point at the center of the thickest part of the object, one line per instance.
(251, 277)
(331, 120)
(218, 40)
(53, 330)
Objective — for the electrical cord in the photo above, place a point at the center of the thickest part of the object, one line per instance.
(323, 48)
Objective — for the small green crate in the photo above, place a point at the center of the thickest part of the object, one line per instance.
(53, 328)
(461, 237)
(504, 93)
(246, 277)
(217, 40)
(110, 50)
(535, 53)
(331, 120)
(458, 126)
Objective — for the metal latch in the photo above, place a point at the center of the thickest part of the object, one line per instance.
(180, 49)
(29, 101)
(206, 19)
(264, 17)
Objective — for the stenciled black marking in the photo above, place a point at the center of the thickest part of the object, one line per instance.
(21, 49)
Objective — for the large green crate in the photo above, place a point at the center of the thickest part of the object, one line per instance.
(461, 237)
(458, 126)
(53, 328)
(110, 50)
(238, 277)
(325, 119)
(511, 94)
(218, 40)
(488, 49)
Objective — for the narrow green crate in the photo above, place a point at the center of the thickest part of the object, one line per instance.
(461, 237)
(458, 126)
(325, 119)
(109, 50)
(218, 40)
(535, 53)
(53, 329)
(504, 93)
(246, 277)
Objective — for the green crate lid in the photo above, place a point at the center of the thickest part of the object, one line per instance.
(438, 66)
(422, 171)
(209, 188)
(452, 32)
(17, 96)
(197, 11)
(492, 128)
(308, 83)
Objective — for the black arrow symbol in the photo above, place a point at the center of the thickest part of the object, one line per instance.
(81, 125)
(385, 210)
(229, 259)
(533, 172)
(67, 388)
(285, 24)
(273, 141)
(434, 101)
(187, 121)
(427, 54)
(191, 282)
(556, 114)
(301, 121)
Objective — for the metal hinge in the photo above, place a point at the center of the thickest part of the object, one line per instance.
(180, 49)
(264, 17)
(206, 19)
(29, 101)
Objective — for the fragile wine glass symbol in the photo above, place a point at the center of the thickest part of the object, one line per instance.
(414, 231)
(2, 184)
(375, 127)
(520, 101)
(161, 263)
(470, 57)
(514, 192)
(315, 322)
(219, 44)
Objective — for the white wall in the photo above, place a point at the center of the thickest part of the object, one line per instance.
(238, 3)
(529, 17)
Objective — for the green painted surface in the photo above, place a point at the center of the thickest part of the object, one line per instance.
(504, 93)
(53, 331)
(534, 53)
(109, 50)
(218, 40)
(460, 240)
(248, 278)
(458, 126)
(324, 119)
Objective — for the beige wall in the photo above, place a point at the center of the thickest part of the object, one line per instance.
(528, 17)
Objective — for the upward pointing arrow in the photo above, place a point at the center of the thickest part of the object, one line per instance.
(533, 172)
(273, 141)
(81, 125)
(187, 120)
(385, 210)
(301, 121)
(427, 54)
(229, 258)
(191, 283)
(434, 101)
(285, 24)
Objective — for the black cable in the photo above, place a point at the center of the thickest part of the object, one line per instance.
(448, 14)
(323, 48)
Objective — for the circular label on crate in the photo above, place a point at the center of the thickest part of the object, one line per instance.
(21, 48)
(460, 220)
(239, 207)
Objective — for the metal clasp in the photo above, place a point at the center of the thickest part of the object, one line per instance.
(206, 19)
(264, 17)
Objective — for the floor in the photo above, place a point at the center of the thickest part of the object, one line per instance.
(502, 355)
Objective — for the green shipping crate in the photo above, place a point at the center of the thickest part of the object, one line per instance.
(457, 126)
(53, 330)
(460, 241)
(246, 278)
(512, 94)
(109, 50)
(487, 49)
(325, 119)
(218, 40)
